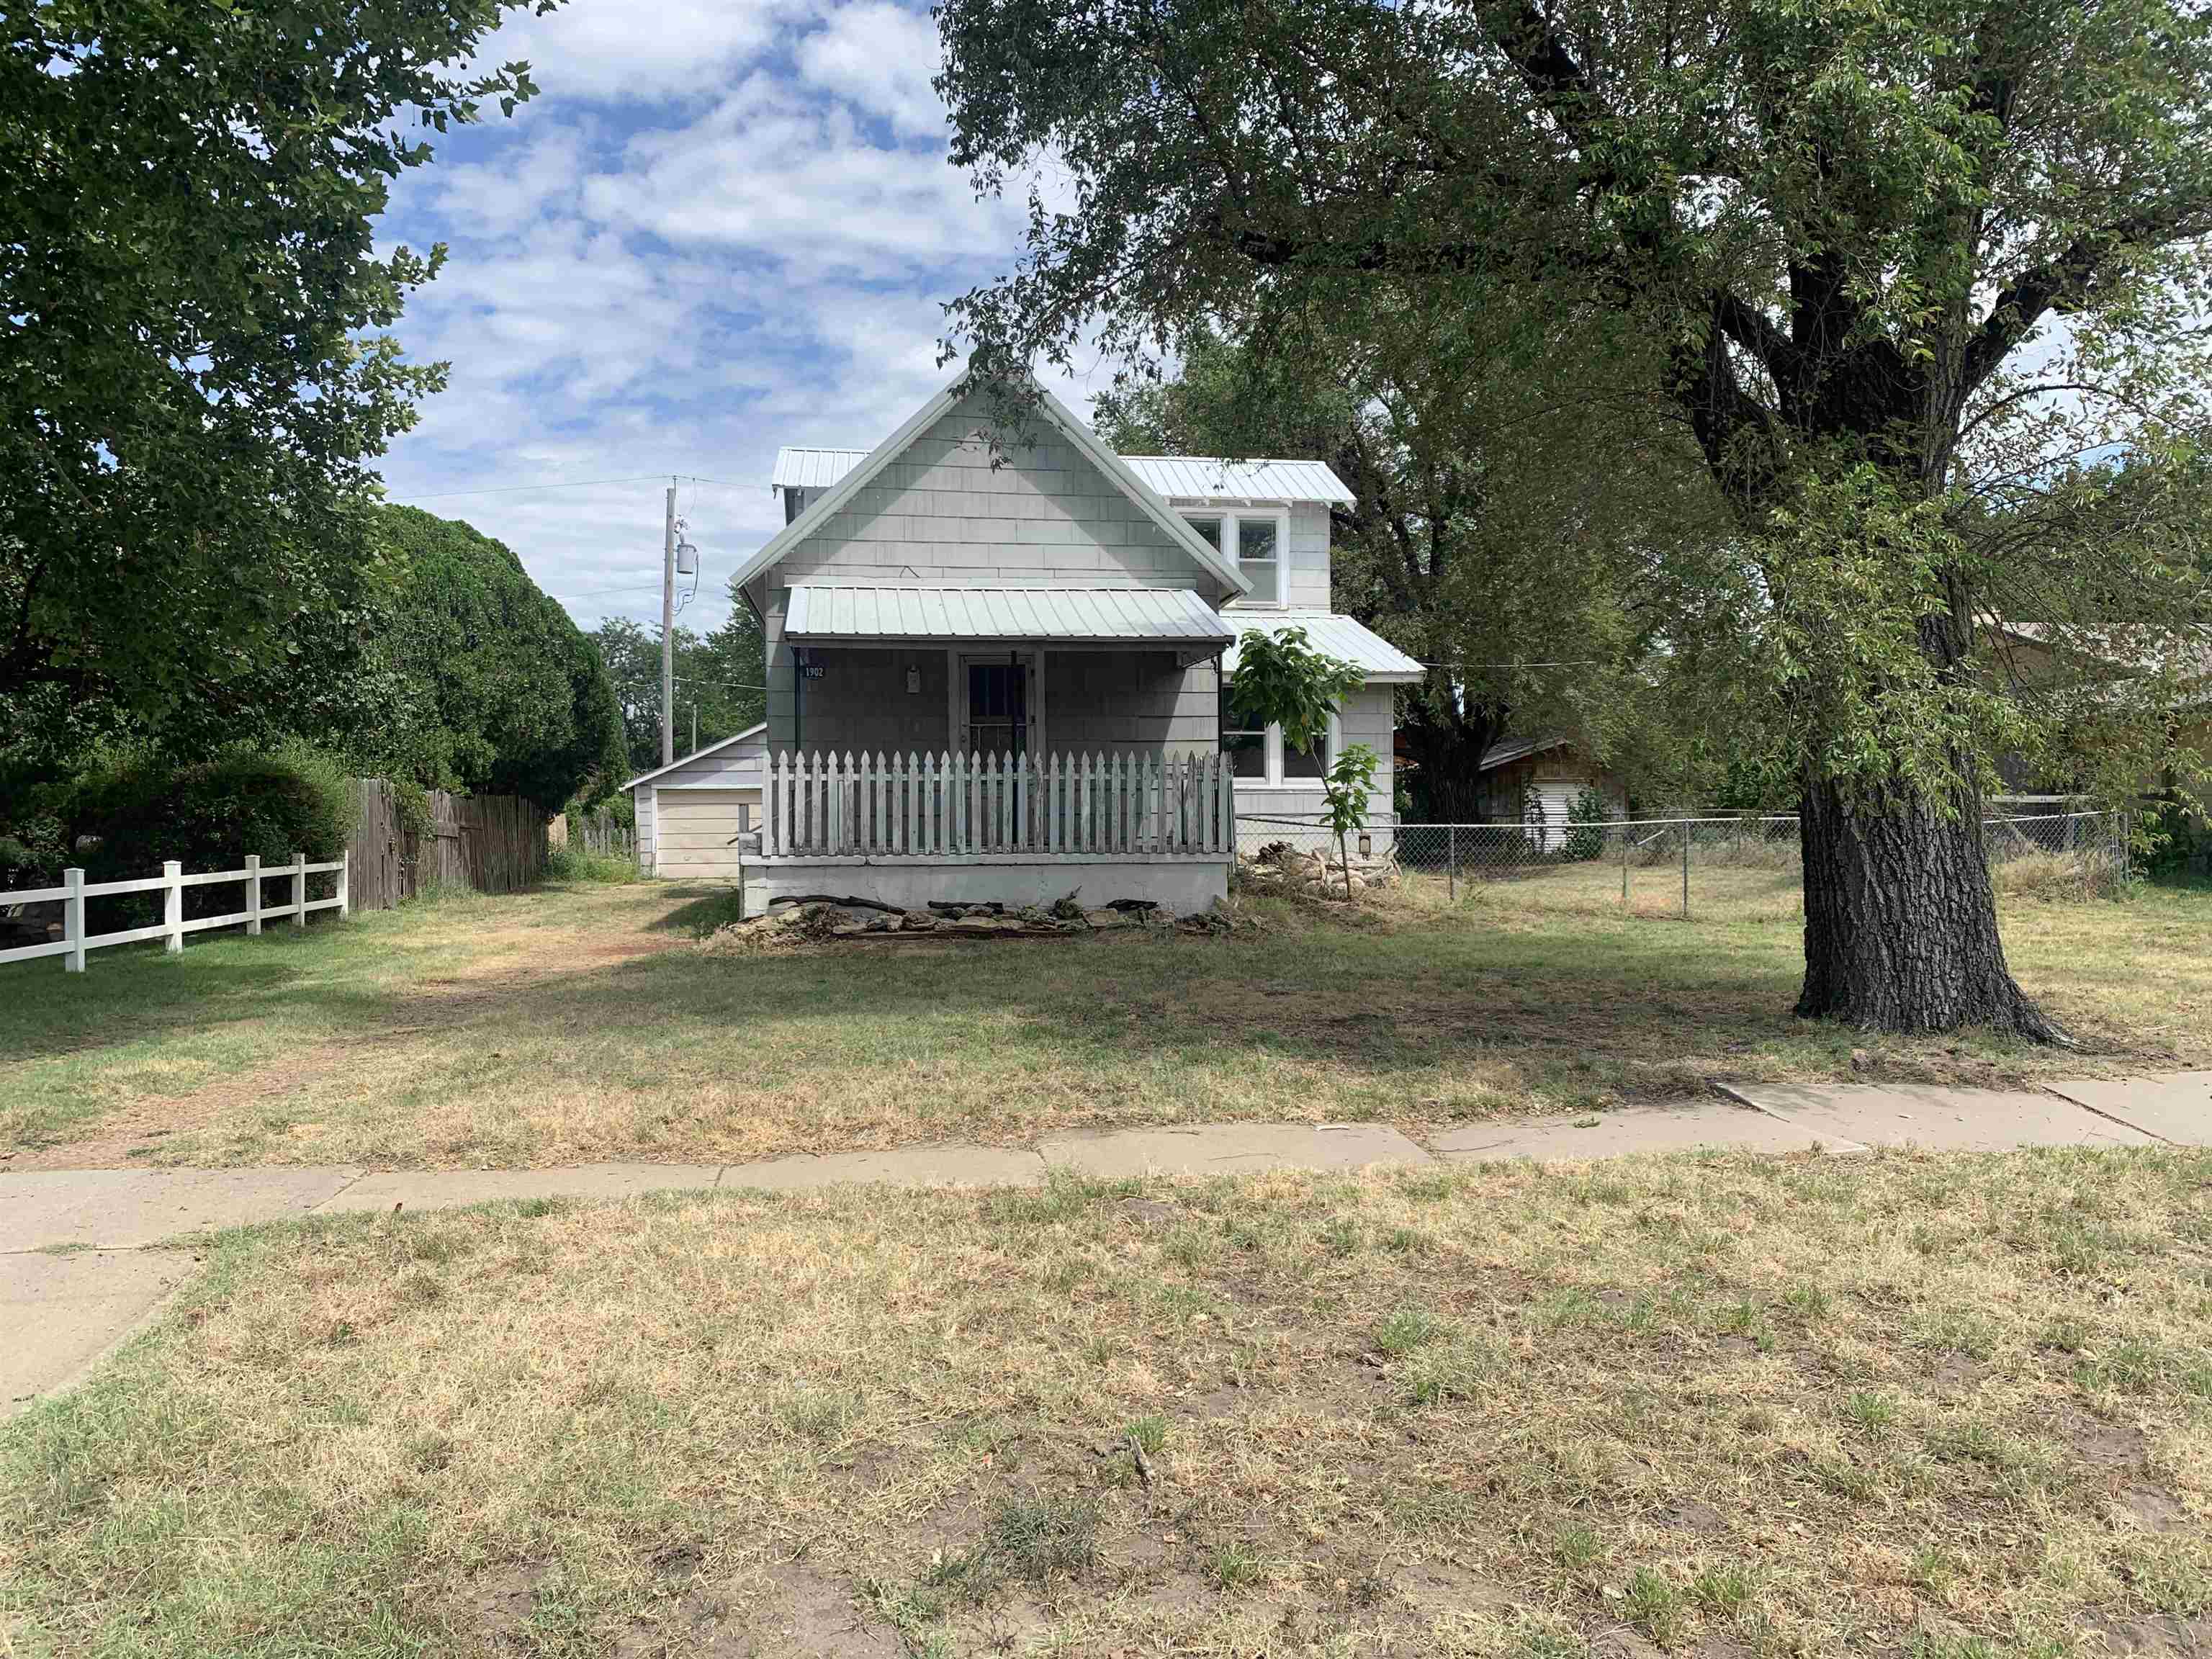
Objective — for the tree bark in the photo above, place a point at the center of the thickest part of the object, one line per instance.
(1900, 918)
(1445, 783)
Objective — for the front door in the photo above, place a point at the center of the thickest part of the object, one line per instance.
(998, 709)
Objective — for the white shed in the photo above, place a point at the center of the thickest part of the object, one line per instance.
(690, 812)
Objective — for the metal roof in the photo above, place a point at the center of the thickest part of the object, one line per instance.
(813, 468)
(1335, 636)
(1186, 477)
(1519, 748)
(1076, 614)
(1207, 476)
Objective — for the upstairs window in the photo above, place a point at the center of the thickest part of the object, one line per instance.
(1259, 556)
(1254, 541)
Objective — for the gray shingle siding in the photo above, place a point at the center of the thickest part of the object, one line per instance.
(942, 512)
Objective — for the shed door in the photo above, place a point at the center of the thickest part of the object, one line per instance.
(694, 828)
(1557, 801)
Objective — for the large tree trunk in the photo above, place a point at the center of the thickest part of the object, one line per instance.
(1900, 918)
(1447, 745)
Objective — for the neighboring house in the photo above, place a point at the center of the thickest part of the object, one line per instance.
(691, 812)
(1537, 780)
(1065, 614)
(2034, 658)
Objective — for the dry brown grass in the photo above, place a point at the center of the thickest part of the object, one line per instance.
(577, 1024)
(1948, 1406)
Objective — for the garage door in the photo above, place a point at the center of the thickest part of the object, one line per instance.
(695, 828)
(1557, 801)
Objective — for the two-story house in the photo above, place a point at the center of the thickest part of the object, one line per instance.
(1002, 673)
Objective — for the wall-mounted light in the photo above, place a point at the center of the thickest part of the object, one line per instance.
(913, 680)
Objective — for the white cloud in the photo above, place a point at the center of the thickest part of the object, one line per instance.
(795, 178)
(619, 51)
(719, 230)
(881, 58)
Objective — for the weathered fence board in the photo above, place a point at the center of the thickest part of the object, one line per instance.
(492, 843)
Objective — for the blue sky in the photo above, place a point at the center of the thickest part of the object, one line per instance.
(719, 228)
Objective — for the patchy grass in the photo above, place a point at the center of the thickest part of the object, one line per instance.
(823, 1424)
(580, 1023)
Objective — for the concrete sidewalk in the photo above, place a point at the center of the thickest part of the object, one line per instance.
(60, 1312)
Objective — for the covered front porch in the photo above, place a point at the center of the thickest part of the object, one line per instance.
(1012, 744)
(1018, 829)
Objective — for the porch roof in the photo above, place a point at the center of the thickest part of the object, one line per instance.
(1338, 636)
(1077, 616)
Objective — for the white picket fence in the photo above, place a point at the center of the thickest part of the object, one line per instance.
(172, 926)
(984, 805)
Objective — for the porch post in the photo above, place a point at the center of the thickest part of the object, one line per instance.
(1038, 743)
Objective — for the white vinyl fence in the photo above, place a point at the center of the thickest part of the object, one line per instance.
(171, 885)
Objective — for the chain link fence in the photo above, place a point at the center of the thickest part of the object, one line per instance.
(1680, 867)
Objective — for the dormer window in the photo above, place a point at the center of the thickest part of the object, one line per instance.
(1254, 540)
(1259, 556)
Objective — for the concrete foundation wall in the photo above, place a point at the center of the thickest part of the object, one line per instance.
(1181, 886)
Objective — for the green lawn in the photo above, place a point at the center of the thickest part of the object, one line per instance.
(1949, 1407)
(583, 1022)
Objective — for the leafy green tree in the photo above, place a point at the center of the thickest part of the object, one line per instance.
(1510, 503)
(720, 677)
(1281, 680)
(505, 694)
(193, 381)
(1893, 259)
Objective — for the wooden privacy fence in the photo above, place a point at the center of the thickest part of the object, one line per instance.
(171, 883)
(493, 844)
(978, 805)
(602, 833)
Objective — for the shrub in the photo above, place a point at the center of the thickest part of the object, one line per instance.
(2180, 843)
(572, 863)
(211, 815)
(1589, 815)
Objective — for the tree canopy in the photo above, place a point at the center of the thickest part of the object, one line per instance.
(720, 677)
(1512, 504)
(500, 693)
(1893, 261)
(193, 380)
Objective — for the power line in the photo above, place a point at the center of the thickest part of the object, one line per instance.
(1585, 662)
(516, 489)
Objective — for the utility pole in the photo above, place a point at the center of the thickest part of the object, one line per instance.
(668, 631)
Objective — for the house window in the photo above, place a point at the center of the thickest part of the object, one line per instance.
(1306, 762)
(1245, 746)
(1263, 759)
(1254, 541)
(1259, 548)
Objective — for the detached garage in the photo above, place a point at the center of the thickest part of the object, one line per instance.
(689, 814)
